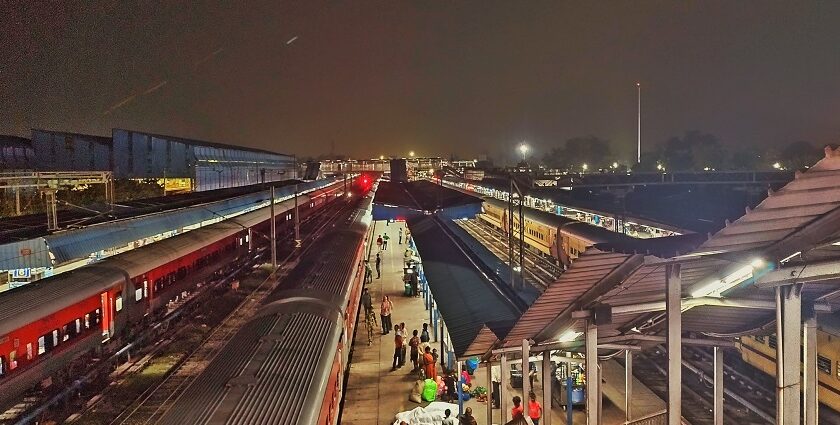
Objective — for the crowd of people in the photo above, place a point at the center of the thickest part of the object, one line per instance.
(415, 346)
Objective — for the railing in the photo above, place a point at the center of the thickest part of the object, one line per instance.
(655, 418)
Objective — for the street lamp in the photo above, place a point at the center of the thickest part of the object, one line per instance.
(381, 157)
(777, 165)
(411, 154)
(615, 165)
(585, 167)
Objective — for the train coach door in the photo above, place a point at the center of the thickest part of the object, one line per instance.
(107, 303)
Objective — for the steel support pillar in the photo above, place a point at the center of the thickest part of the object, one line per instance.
(504, 376)
(273, 233)
(547, 380)
(790, 341)
(526, 372)
(810, 382)
(673, 311)
(718, 386)
(593, 383)
(297, 219)
(628, 386)
(459, 388)
(489, 392)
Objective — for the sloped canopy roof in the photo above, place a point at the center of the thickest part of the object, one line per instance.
(797, 224)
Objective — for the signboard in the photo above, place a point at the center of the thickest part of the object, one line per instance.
(20, 273)
(545, 183)
(475, 175)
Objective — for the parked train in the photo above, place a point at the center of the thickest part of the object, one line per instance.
(555, 236)
(760, 352)
(287, 364)
(46, 325)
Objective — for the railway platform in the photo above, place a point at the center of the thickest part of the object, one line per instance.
(375, 393)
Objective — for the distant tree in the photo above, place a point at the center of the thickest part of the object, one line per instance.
(590, 150)
(694, 151)
(800, 154)
(747, 159)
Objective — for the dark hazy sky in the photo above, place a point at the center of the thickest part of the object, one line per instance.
(454, 77)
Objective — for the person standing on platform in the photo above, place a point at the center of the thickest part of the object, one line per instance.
(368, 272)
(407, 256)
(467, 418)
(385, 239)
(385, 312)
(404, 346)
(424, 335)
(534, 408)
(447, 418)
(378, 266)
(399, 232)
(429, 364)
(414, 344)
(367, 302)
(379, 242)
(398, 349)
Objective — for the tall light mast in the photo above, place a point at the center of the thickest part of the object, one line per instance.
(639, 123)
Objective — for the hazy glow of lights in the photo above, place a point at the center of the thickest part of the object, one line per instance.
(411, 154)
(585, 167)
(777, 165)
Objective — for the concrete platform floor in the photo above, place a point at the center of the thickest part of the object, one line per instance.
(374, 393)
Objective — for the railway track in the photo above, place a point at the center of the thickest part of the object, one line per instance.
(538, 272)
(153, 404)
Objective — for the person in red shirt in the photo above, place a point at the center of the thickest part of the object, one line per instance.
(534, 408)
(518, 410)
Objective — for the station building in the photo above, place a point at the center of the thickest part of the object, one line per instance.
(180, 164)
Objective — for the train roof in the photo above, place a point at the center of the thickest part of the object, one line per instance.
(28, 303)
(277, 367)
(586, 231)
(24, 305)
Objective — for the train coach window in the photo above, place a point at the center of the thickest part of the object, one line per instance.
(771, 341)
(87, 321)
(760, 339)
(55, 337)
(42, 345)
(29, 351)
(119, 303)
(838, 368)
(78, 326)
(12, 359)
(2, 365)
(138, 294)
(823, 365)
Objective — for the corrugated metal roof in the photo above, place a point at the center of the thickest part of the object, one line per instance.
(24, 305)
(466, 298)
(802, 216)
(74, 244)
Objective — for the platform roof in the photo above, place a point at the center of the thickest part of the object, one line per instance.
(421, 195)
(793, 231)
(475, 310)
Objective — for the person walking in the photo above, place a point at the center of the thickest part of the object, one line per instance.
(398, 349)
(424, 335)
(385, 310)
(534, 408)
(399, 232)
(429, 364)
(385, 241)
(414, 344)
(379, 242)
(518, 410)
(378, 266)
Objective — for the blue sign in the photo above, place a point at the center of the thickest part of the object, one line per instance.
(21, 273)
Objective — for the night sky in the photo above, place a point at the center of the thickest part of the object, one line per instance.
(439, 78)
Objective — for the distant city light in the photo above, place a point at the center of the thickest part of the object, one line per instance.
(615, 165)
(411, 154)
(381, 157)
(777, 165)
(706, 168)
(585, 167)
(660, 167)
(523, 149)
